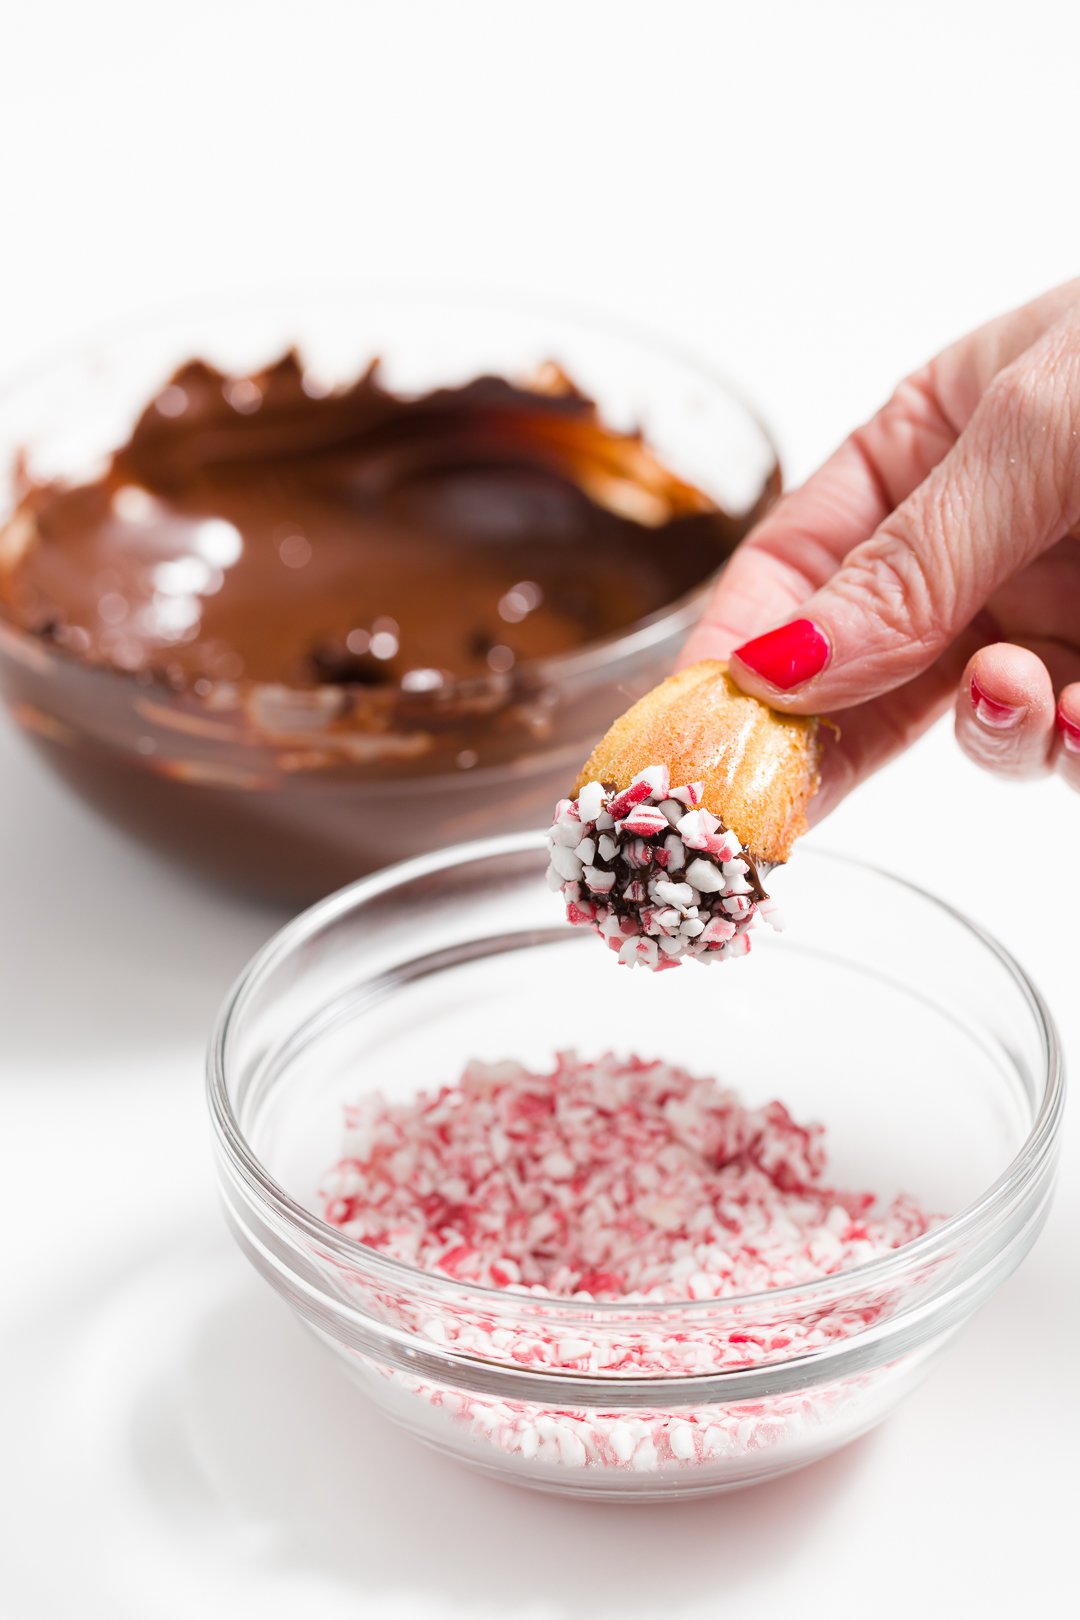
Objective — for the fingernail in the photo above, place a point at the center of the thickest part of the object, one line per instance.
(787, 657)
(997, 716)
(1070, 732)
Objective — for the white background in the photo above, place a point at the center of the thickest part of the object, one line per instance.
(817, 196)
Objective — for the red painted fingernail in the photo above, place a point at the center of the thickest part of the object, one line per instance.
(1070, 732)
(789, 656)
(998, 716)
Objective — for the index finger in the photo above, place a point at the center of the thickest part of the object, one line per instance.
(799, 546)
(795, 550)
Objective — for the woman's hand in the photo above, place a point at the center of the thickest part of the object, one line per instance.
(934, 549)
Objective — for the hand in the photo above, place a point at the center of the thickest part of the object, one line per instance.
(934, 550)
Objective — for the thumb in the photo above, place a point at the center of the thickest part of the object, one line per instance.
(1008, 489)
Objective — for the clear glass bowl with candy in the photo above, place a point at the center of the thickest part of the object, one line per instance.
(622, 1234)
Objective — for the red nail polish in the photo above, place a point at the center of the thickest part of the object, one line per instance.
(1070, 732)
(789, 656)
(998, 716)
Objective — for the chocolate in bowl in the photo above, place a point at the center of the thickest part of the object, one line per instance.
(296, 627)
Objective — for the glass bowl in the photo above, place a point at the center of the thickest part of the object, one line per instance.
(260, 788)
(909, 1032)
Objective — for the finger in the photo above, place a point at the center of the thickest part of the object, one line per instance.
(962, 373)
(1067, 755)
(870, 735)
(1005, 711)
(1008, 489)
(1039, 604)
(865, 738)
(804, 539)
(807, 535)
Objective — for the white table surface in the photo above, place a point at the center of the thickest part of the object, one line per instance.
(818, 199)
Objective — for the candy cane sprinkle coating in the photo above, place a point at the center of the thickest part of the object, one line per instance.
(654, 873)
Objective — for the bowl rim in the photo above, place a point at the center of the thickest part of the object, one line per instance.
(1006, 1190)
(644, 634)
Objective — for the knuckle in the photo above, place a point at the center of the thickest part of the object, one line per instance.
(897, 578)
(1033, 411)
(918, 400)
(1020, 399)
(912, 428)
(1063, 339)
(1038, 395)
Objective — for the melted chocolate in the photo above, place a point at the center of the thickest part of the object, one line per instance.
(290, 636)
(254, 531)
